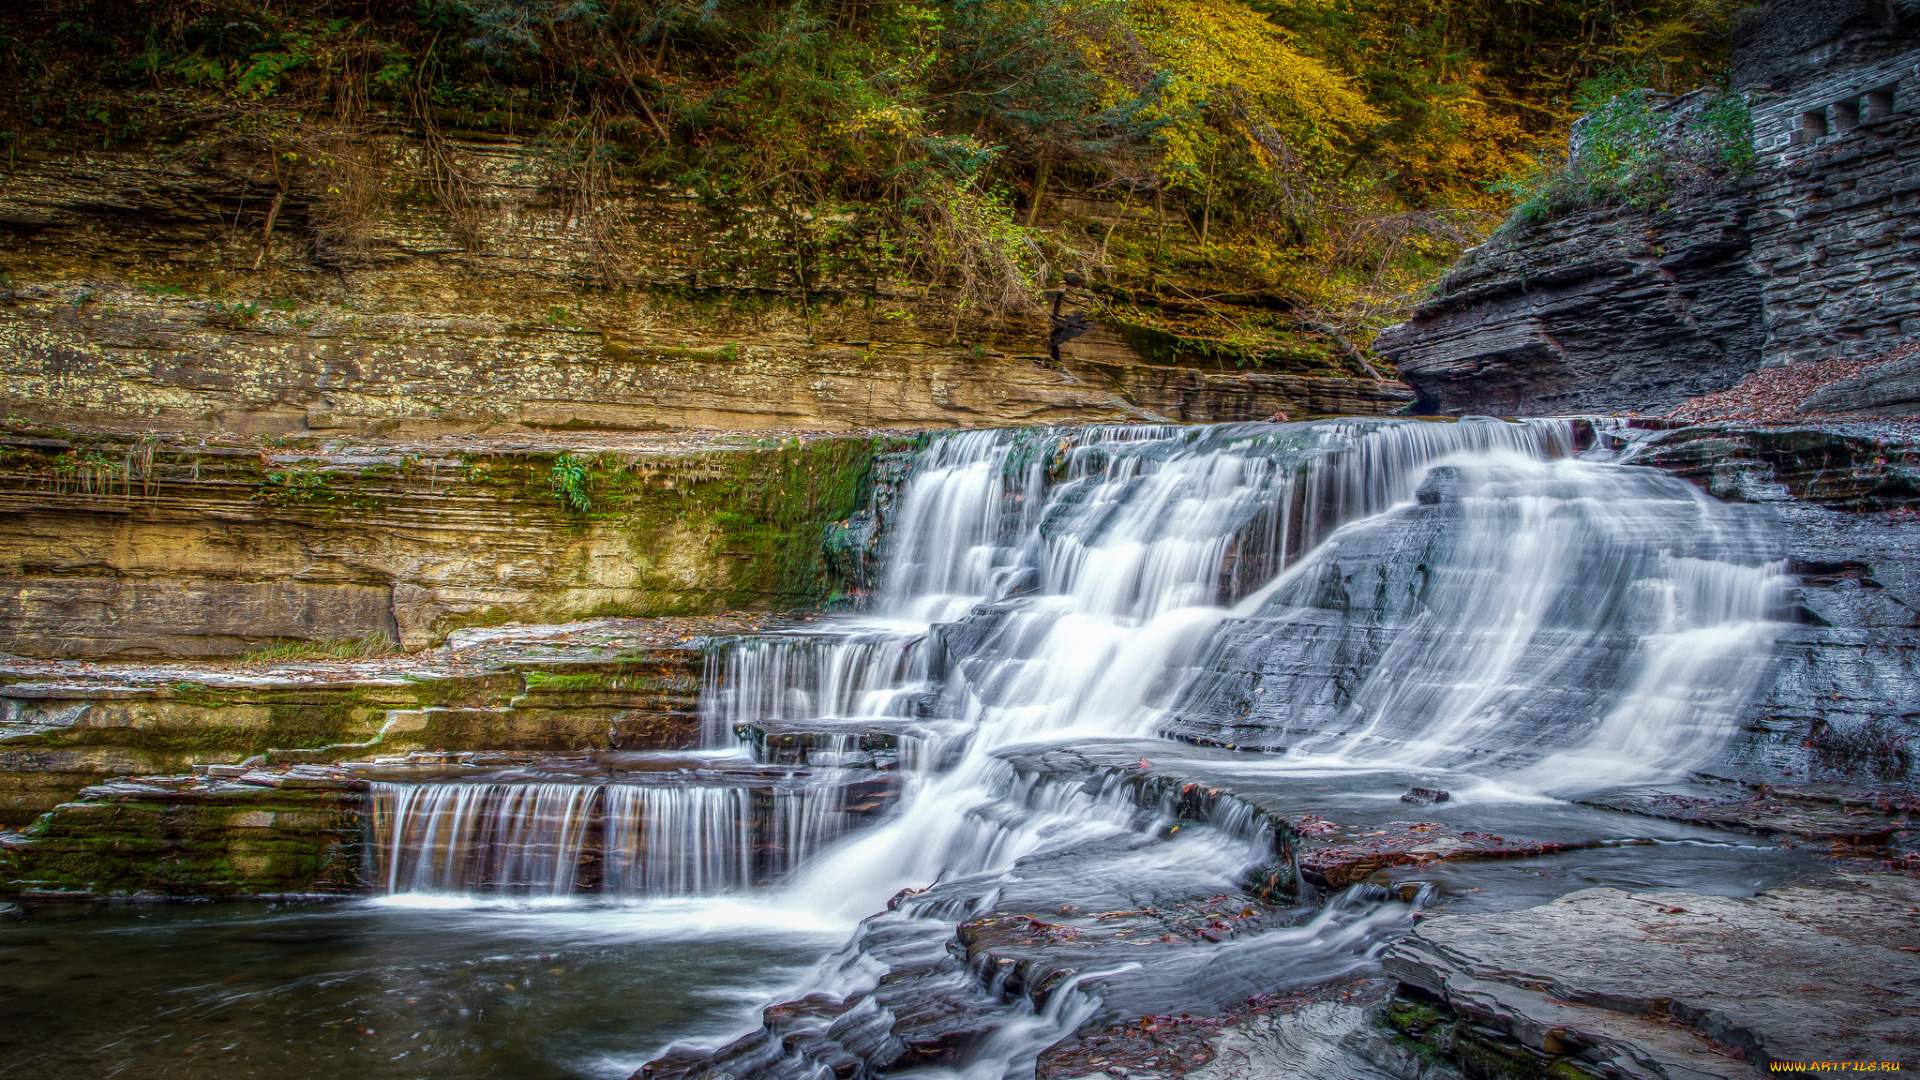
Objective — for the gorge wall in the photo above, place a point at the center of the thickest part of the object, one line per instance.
(181, 288)
(1812, 255)
(117, 546)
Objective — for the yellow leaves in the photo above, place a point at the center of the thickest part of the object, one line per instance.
(893, 118)
(1465, 146)
(1221, 78)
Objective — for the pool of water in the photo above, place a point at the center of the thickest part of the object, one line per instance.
(377, 989)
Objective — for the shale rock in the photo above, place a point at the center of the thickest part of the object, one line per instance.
(1612, 309)
(1809, 257)
(1679, 985)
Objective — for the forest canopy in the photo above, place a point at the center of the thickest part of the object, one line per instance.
(1332, 154)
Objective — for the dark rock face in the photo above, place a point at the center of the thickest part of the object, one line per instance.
(1812, 257)
(1836, 238)
(1843, 695)
(1607, 310)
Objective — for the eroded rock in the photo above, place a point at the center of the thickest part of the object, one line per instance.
(1674, 984)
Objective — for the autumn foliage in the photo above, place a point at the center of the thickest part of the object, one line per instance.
(1277, 177)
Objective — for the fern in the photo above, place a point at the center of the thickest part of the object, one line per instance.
(570, 478)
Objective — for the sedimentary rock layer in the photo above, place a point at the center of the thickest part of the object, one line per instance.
(1680, 985)
(609, 685)
(1612, 309)
(130, 290)
(136, 546)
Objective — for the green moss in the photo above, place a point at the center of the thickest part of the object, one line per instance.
(1437, 1034)
(544, 680)
(757, 514)
(309, 843)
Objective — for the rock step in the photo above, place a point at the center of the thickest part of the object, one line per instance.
(1307, 847)
(616, 684)
(866, 743)
(1850, 824)
(1673, 985)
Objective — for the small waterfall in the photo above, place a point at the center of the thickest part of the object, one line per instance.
(863, 673)
(671, 841)
(463, 838)
(1549, 625)
(1368, 596)
(542, 839)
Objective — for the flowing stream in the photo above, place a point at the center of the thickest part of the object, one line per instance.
(1330, 612)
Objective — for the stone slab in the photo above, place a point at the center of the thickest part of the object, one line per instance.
(1670, 984)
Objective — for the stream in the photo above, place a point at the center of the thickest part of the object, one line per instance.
(1315, 618)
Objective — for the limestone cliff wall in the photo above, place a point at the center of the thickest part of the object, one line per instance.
(188, 291)
(183, 548)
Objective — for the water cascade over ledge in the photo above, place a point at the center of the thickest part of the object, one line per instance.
(1468, 605)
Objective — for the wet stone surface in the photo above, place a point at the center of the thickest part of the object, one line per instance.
(1687, 984)
(1850, 820)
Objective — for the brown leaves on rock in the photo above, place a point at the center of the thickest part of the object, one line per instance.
(1773, 395)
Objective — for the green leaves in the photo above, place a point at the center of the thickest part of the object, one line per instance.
(570, 478)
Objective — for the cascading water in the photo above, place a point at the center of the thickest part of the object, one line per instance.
(1447, 597)
(1048, 585)
(548, 839)
(523, 838)
(1461, 600)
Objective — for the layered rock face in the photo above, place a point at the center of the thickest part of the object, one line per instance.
(145, 546)
(189, 293)
(1627, 309)
(620, 685)
(1608, 310)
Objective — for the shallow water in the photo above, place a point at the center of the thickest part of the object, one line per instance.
(373, 989)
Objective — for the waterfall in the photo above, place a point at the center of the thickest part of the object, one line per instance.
(1455, 595)
(1549, 626)
(544, 839)
(458, 838)
(1471, 601)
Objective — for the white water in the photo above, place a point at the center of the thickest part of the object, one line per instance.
(650, 840)
(1052, 587)
(1547, 624)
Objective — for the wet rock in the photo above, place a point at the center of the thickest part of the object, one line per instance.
(1327, 854)
(1425, 796)
(865, 744)
(1820, 817)
(259, 834)
(1333, 856)
(1843, 692)
(1684, 985)
(1323, 1040)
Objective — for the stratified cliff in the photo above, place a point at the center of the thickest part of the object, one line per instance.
(176, 292)
(1811, 254)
